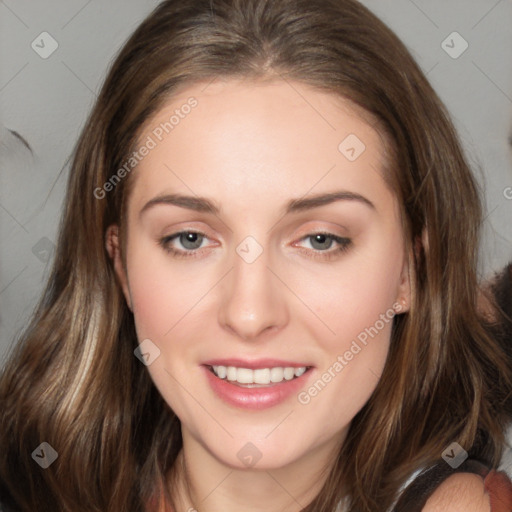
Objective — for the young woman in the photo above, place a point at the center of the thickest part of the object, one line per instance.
(264, 294)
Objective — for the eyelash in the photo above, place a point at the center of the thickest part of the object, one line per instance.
(344, 244)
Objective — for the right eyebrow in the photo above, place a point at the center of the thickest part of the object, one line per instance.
(198, 204)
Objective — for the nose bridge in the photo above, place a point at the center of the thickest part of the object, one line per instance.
(252, 301)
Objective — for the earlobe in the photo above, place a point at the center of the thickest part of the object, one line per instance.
(112, 245)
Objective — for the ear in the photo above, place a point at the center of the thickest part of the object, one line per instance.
(112, 244)
(404, 294)
(403, 299)
(421, 243)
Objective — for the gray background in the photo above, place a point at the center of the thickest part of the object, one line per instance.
(47, 100)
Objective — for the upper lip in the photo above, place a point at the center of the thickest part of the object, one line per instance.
(255, 363)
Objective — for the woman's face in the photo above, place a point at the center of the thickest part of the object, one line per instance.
(291, 257)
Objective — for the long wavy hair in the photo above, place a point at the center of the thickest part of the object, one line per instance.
(73, 380)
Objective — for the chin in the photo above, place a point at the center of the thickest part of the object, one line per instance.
(255, 460)
(247, 454)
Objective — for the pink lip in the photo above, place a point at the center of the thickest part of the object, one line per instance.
(255, 398)
(255, 364)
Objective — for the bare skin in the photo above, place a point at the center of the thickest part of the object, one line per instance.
(251, 148)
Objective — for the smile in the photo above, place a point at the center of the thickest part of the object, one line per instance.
(258, 377)
(256, 388)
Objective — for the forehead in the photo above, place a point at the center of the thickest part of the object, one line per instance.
(254, 138)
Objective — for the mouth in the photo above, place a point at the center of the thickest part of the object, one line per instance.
(257, 378)
(256, 385)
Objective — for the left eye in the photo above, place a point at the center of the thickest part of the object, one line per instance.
(319, 241)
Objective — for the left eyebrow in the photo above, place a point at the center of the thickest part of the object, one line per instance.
(298, 205)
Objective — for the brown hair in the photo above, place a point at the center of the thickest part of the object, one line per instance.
(73, 380)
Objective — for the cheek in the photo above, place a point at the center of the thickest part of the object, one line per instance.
(358, 311)
(160, 296)
(355, 295)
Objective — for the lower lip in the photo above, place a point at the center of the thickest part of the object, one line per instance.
(255, 398)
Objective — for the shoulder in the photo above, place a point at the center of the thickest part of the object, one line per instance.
(461, 492)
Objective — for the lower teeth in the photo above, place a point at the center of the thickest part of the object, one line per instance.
(254, 385)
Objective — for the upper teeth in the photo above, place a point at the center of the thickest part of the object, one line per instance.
(259, 376)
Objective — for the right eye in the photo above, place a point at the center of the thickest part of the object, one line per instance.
(190, 240)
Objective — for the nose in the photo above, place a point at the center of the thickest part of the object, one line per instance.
(253, 301)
